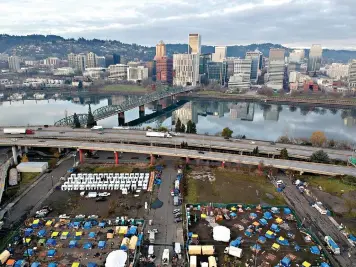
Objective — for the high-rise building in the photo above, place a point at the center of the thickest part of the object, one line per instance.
(256, 64)
(71, 60)
(14, 63)
(314, 61)
(137, 74)
(112, 59)
(217, 72)
(243, 66)
(276, 68)
(80, 62)
(160, 50)
(241, 80)
(194, 43)
(151, 66)
(220, 54)
(100, 62)
(352, 74)
(164, 70)
(91, 60)
(186, 69)
(296, 56)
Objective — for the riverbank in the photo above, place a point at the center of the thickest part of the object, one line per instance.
(312, 100)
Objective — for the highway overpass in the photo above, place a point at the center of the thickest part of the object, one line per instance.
(185, 153)
(203, 142)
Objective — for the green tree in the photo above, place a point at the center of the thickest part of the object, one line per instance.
(189, 127)
(182, 129)
(91, 121)
(331, 143)
(320, 156)
(80, 85)
(194, 128)
(226, 132)
(162, 129)
(284, 153)
(76, 122)
(178, 126)
(255, 151)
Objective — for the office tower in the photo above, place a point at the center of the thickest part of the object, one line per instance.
(296, 56)
(314, 61)
(276, 68)
(151, 66)
(164, 70)
(220, 54)
(256, 64)
(80, 62)
(91, 60)
(241, 80)
(160, 50)
(112, 59)
(194, 43)
(352, 74)
(137, 74)
(100, 62)
(14, 63)
(217, 72)
(118, 72)
(71, 60)
(337, 70)
(243, 66)
(186, 69)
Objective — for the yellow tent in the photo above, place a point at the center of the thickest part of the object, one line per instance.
(78, 233)
(37, 221)
(55, 234)
(279, 220)
(203, 216)
(194, 236)
(276, 246)
(233, 209)
(49, 223)
(28, 240)
(123, 230)
(281, 238)
(75, 264)
(269, 232)
(306, 264)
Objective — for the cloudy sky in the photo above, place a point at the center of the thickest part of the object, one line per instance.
(297, 23)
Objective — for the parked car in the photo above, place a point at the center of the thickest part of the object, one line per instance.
(100, 199)
(177, 215)
(272, 143)
(64, 216)
(104, 194)
(201, 152)
(43, 212)
(175, 211)
(177, 220)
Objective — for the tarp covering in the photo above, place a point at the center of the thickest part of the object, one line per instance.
(92, 264)
(32, 166)
(263, 221)
(73, 243)
(275, 246)
(157, 204)
(315, 250)
(51, 242)
(133, 242)
(306, 264)
(92, 235)
(35, 264)
(28, 252)
(116, 258)
(51, 253)
(267, 215)
(41, 233)
(101, 244)
(4, 256)
(324, 264)
(221, 233)
(75, 264)
(87, 245)
(28, 232)
(286, 261)
(52, 264)
(269, 234)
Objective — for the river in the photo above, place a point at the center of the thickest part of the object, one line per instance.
(254, 120)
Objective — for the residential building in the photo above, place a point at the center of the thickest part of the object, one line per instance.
(220, 54)
(91, 60)
(72, 60)
(100, 62)
(294, 66)
(164, 70)
(65, 71)
(276, 69)
(256, 64)
(186, 69)
(352, 74)
(230, 65)
(314, 60)
(194, 43)
(160, 50)
(133, 64)
(217, 72)
(80, 62)
(112, 59)
(14, 63)
(94, 73)
(52, 61)
(137, 74)
(296, 56)
(239, 83)
(118, 72)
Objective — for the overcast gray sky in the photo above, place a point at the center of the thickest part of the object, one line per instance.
(297, 23)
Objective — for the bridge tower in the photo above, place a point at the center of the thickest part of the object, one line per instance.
(121, 118)
(141, 111)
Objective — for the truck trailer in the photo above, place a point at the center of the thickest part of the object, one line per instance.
(332, 245)
(18, 131)
(233, 251)
(157, 134)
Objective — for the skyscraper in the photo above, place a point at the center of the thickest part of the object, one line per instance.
(71, 60)
(14, 63)
(80, 62)
(194, 43)
(256, 64)
(91, 60)
(164, 70)
(296, 56)
(276, 68)
(220, 54)
(314, 61)
(352, 74)
(186, 69)
(112, 59)
(100, 62)
(160, 50)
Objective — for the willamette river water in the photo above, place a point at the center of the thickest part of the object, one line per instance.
(256, 121)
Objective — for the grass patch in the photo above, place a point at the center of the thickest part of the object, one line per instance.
(331, 185)
(192, 194)
(28, 177)
(105, 169)
(124, 88)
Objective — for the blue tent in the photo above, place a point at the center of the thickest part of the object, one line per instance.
(267, 215)
(87, 245)
(28, 232)
(92, 235)
(286, 262)
(101, 244)
(102, 224)
(324, 264)
(262, 239)
(76, 224)
(297, 248)
(123, 247)
(52, 264)
(263, 221)
(28, 252)
(352, 238)
(51, 242)
(132, 230)
(275, 210)
(236, 242)
(92, 264)
(275, 228)
(269, 234)
(233, 215)
(248, 232)
(51, 253)
(41, 233)
(19, 263)
(253, 216)
(87, 225)
(315, 250)
(35, 264)
(256, 247)
(282, 241)
(73, 243)
(287, 211)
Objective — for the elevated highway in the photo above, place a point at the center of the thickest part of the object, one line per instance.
(182, 153)
(202, 142)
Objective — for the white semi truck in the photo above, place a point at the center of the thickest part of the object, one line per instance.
(158, 134)
(233, 251)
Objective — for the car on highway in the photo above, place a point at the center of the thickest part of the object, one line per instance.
(177, 220)
(100, 199)
(272, 143)
(201, 152)
(252, 142)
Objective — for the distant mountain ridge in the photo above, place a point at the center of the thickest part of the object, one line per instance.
(41, 46)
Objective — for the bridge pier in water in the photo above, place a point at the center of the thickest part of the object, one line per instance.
(121, 118)
(81, 156)
(116, 156)
(141, 111)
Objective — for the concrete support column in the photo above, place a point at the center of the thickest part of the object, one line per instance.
(159, 107)
(81, 156)
(59, 150)
(26, 149)
(116, 156)
(187, 160)
(141, 111)
(152, 162)
(241, 153)
(121, 118)
(14, 154)
(223, 164)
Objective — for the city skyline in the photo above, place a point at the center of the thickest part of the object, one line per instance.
(154, 20)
